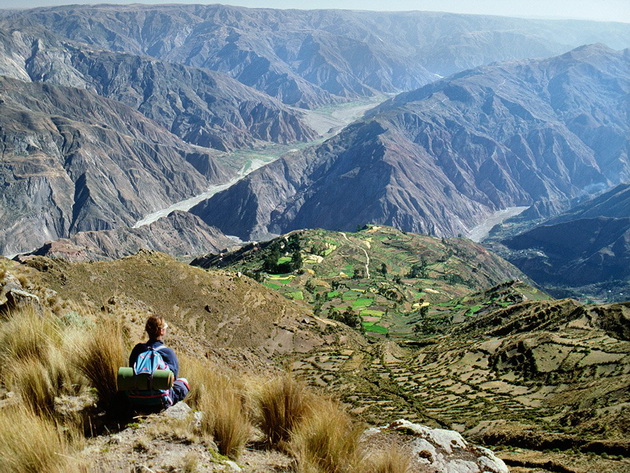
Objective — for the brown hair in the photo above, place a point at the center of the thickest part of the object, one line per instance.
(154, 326)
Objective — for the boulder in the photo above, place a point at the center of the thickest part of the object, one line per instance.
(435, 450)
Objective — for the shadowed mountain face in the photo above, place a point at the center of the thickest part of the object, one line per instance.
(73, 161)
(202, 107)
(589, 244)
(310, 58)
(439, 159)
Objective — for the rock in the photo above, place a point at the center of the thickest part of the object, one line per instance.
(233, 466)
(180, 411)
(17, 298)
(440, 450)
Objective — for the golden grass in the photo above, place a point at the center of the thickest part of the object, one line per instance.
(283, 402)
(30, 443)
(327, 441)
(27, 334)
(36, 362)
(99, 356)
(223, 401)
(392, 460)
(32, 380)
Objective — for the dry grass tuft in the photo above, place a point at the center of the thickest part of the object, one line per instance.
(35, 359)
(32, 380)
(27, 334)
(392, 460)
(283, 403)
(99, 357)
(31, 443)
(224, 404)
(190, 463)
(327, 441)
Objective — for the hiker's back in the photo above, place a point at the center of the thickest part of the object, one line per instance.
(154, 376)
(150, 362)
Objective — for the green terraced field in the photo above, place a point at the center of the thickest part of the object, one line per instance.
(412, 282)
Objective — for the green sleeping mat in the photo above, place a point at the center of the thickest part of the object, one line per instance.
(127, 380)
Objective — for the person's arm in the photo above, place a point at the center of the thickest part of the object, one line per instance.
(171, 360)
(134, 355)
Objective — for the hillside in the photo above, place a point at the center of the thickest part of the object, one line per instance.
(583, 252)
(180, 234)
(441, 159)
(379, 278)
(74, 161)
(543, 381)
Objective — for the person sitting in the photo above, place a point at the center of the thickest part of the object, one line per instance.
(156, 329)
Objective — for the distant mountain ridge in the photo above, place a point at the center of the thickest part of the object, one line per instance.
(309, 58)
(440, 159)
(202, 107)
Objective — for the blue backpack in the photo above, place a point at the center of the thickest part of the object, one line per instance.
(147, 364)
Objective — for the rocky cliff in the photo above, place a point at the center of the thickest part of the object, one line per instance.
(73, 161)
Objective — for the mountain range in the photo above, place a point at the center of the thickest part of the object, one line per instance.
(111, 113)
(442, 158)
(308, 58)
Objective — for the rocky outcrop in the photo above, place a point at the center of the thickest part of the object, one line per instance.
(440, 159)
(180, 234)
(437, 450)
(309, 58)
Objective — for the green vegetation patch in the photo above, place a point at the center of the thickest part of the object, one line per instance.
(373, 327)
(372, 313)
(297, 295)
(271, 285)
(362, 302)
(281, 279)
(284, 259)
(474, 309)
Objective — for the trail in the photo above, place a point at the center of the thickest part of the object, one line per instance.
(367, 257)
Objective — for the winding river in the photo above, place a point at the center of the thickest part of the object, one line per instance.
(326, 121)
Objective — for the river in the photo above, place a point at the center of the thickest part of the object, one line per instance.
(482, 230)
(326, 121)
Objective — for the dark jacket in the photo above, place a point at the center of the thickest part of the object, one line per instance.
(167, 354)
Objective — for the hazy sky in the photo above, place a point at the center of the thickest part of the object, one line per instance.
(600, 10)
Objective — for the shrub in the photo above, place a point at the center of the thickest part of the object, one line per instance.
(327, 441)
(392, 460)
(223, 402)
(31, 443)
(99, 356)
(283, 403)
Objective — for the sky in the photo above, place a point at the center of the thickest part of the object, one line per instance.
(599, 10)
